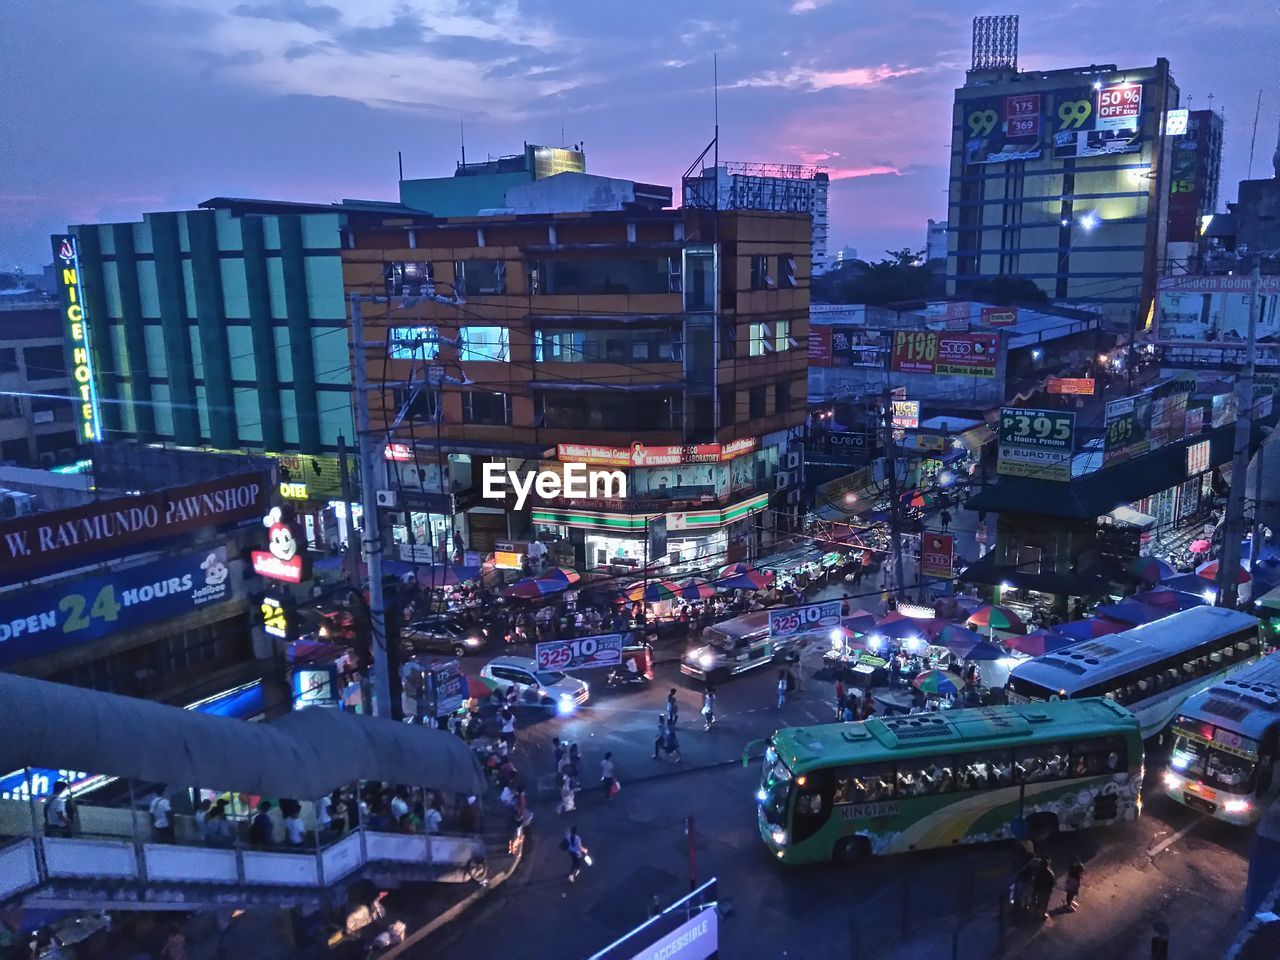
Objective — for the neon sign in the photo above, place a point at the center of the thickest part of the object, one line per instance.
(67, 258)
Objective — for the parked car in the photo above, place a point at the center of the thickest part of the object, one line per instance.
(550, 689)
(443, 633)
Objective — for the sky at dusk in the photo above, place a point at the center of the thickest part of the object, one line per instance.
(115, 109)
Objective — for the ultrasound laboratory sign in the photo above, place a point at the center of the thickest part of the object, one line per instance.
(37, 622)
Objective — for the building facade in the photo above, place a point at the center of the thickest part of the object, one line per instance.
(935, 241)
(1193, 185)
(37, 415)
(483, 185)
(1062, 177)
(665, 344)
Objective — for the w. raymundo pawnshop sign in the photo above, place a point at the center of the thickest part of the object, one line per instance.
(61, 540)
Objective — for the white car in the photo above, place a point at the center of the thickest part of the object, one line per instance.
(550, 689)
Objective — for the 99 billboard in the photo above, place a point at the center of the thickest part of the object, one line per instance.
(1084, 122)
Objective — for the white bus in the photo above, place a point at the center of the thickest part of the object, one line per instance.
(1225, 745)
(1150, 669)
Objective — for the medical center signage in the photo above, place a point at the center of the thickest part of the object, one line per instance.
(69, 538)
(66, 261)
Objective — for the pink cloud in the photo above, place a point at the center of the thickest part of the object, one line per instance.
(814, 80)
(850, 173)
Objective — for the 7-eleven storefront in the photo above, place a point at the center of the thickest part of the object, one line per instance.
(696, 540)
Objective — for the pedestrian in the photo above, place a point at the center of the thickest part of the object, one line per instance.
(673, 708)
(671, 745)
(782, 688)
(261, 829)
(606, 776)
(577, 850)
(561, 748)
(57, 811)
(575, 760)
(520, 808)
(945, 517)
(867, 708)
(709, 707)
(661, 738)
(1075, 874)
(895, 670)
(1042, 884)
(508, 734)
(294, 831)
(568, 798)
(161, 811)
(840, 695)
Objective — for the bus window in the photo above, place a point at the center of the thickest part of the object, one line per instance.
(1230, 772)
(867, 783)
(924, 777)
(1092, 758)
(1043, 761)
(979, 771)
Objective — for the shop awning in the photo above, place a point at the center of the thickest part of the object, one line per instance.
(1090, 583)
(1133, 518)
(1270, 600)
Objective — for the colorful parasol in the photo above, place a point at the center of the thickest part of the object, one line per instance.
(695, 588)
(995, 617)
(655, 591)
(1038, 642)
(531, 588)
(1200, 546)
(1089, 629)
(746, 580)
(1209, 571)
(920, 498)
(935, 682)
(560, 575)
(1150, 569)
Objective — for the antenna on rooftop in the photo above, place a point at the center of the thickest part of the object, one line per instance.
(462, 138)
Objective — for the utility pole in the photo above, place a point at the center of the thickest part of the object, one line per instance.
(1233, 525)
(370, 451)
(1255, 542)
(895, 514)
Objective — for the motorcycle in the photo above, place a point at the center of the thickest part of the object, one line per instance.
(620, 678)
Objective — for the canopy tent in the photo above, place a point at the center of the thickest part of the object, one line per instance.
(305, 754)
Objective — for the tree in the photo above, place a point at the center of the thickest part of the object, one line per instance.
(902, 276)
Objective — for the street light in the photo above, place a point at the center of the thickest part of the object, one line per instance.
(1089, 222)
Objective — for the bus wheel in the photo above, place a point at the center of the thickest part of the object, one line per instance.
(1042, 827)
(852, 850)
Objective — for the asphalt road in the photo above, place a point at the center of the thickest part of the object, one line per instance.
(1170, 865)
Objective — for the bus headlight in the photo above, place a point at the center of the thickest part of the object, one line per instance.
(779, 837)
(762, 795)
(1236, 806)
(1172, 780)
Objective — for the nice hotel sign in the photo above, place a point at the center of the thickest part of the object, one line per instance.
(66, 259)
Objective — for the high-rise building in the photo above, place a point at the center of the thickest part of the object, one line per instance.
(483, 184)
(935, 241)
(1193, 187)
(784, 187)
(1062, 177)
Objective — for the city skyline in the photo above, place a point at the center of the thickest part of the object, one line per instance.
(150, 107)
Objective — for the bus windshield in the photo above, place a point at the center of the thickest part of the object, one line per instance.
(775, 784)
(1217, 768)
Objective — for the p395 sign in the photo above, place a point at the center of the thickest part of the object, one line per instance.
(788, 623)
(581, 653)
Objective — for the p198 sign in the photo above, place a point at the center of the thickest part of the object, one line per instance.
(788, 623)
(580, 654)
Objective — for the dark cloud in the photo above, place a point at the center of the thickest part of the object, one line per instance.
(317, 16)
(300, 51)
(405, 31)
(214, 62)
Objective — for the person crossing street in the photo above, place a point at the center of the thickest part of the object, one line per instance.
(709, 707)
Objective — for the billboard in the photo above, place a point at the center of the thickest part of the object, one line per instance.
(1072, 386)
(580, 654)
(937, 551)
(38, 621)
(640, 455)
(798, 620)
(1000, 129)
(66, 263)
(849, 445)
(1036, 443)
(905, 414)
(1214, 311)
(998, 316)
(831, 346)
(1089, 122)
(1126, 429)
(70, 538)
(944, 353)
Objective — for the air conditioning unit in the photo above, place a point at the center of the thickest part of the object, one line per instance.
(793, 498)
(781, 480)
(794, 458)
(385, 498)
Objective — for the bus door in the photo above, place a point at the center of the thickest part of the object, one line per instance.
(813, 795)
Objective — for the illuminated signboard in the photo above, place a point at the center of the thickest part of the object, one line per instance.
(906, 414)
(66, 258)
(1197, 458)
(509, 556)
(284, 559)
(640, 455)
(399, 452)
(1119, 106)
(1075, 386)
(1002, 129)
(293, 491)
(945, 354)
(1175, 122)
(275, 618)
(1090, 123)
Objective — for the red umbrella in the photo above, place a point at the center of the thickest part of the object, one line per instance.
(1037, 643)
(1209, 571)
(1200, 546)
(735, 570)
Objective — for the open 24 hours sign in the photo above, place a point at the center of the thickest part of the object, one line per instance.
(42, 620)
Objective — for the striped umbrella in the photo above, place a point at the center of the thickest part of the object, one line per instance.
(1150, 569)
(1209, 571)
(560, 575)
(748, 580)
(920, 498)
(735, 570)
(1089, 629)
(695, 588)
(955, 635)
(935, 682)
(531, 588)
(655, 591)
(995, 618)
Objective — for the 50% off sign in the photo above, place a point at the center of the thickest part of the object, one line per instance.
(581, 653)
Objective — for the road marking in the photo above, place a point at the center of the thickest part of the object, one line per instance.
(1170, 841)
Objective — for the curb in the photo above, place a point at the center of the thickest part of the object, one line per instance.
(457, 910)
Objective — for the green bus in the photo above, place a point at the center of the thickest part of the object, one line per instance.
(845, 791)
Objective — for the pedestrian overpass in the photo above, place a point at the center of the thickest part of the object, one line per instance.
(113, 861)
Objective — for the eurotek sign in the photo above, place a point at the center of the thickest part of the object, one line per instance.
(72, 538)
(66, 260)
